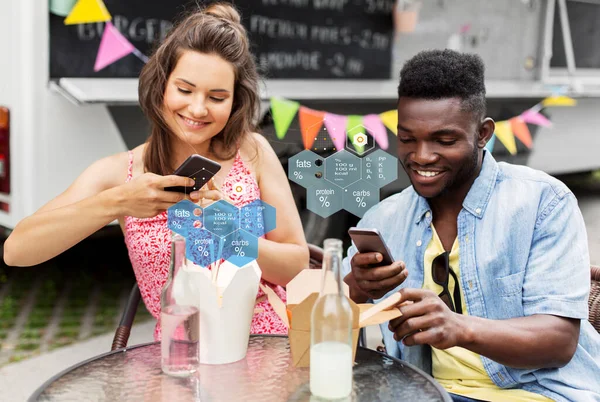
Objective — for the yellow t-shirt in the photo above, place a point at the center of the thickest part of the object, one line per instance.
(459, 370)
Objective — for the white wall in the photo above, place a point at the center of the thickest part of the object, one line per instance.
(72, 139)
(52, 140)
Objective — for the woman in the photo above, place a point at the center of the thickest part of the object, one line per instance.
(200, 92)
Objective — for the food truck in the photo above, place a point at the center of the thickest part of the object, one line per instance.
(64, 104)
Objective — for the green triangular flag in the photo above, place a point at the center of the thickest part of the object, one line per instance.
(283, 112)
(353, 128)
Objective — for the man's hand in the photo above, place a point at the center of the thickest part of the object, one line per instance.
(427, 321)
(376, 281)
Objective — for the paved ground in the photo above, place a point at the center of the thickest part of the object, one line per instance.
(19, 380)
(99, 313)
(57, 303)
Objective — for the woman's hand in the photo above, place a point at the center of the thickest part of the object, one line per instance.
(208, 194)
(145, 195)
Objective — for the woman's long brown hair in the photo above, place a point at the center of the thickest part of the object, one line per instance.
(214, 30)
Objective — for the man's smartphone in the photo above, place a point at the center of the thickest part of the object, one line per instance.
(370, 240)
(197, 167)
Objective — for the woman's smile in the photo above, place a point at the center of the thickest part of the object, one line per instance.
(192, 123)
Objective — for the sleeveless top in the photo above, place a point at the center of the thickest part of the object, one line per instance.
(148, 242)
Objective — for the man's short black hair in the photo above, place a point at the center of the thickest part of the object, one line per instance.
(440, 74)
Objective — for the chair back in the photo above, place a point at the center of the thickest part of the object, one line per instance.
(316, 256)
(594, 300)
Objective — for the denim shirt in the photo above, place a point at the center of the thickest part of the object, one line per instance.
(523, 251)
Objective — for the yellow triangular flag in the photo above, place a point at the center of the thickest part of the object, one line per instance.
(86, 11)
(505, 135)
(558, 100)
(390, 119)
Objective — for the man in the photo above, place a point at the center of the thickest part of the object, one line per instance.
(492, 259)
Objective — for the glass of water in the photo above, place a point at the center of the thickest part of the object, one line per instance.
(180, 340)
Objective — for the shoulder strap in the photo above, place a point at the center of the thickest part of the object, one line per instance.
(130, 166)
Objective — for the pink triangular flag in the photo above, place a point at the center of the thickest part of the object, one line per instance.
(336, 127)
(533, 117)
(113, 47)
(375, 127)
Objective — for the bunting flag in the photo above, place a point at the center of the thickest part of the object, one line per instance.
(533, 117)
(521, 131)
(558, 100)
(356, 133)
(490, 144)
(390, 119)
(506, 137)
(62, 8)
(113, 46)
(346, 128)
(336, 127)
(375, 127)
(311, 122)
(86, 11)
(283, 111)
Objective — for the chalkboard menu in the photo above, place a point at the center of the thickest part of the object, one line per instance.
(290, 38)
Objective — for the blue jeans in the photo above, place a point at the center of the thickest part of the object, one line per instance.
(459, 398)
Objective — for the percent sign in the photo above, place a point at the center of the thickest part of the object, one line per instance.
(361, 202)
(298, 175)
(202, 251)
(323, 201)
(176, 224)
(239, 252)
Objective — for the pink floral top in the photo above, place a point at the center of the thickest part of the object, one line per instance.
(149, 244)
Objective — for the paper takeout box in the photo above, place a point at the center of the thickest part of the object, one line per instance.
(302, 293)
(226, 308)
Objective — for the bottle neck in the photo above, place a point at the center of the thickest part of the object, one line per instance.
(177, 254)
(332, 265)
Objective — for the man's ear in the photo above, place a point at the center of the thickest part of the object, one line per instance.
(486, 130)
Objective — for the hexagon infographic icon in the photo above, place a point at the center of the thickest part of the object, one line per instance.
(221, 218)
(182, 216)
(342, 168)
(306, 168)
(359, 197)
(240, 247)
(324, 199)
(213, 233)
(350, 182)
(358, 140)
(203, 247)
(258, 218)
(379, 168)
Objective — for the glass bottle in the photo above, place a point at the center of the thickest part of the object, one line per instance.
(180, 352)
(331, 332)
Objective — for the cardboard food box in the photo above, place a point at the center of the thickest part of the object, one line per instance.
(226, 307)
(302, 293)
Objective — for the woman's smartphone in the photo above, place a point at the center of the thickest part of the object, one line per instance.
(197, 167)
(369, 241)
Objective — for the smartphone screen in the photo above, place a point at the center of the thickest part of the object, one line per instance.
(370, 240)
(197, 167)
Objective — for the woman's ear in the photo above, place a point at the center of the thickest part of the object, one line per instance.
(486, 130)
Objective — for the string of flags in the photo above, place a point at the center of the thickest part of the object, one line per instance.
(338, 127)
(113, 45)
(515, 128)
